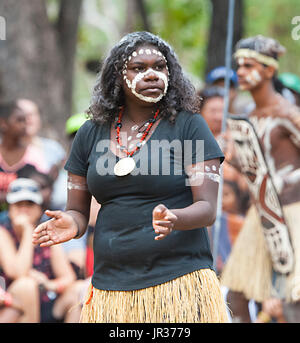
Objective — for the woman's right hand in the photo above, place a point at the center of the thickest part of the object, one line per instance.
(60, 228)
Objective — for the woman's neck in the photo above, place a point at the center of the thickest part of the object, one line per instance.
(139, 114)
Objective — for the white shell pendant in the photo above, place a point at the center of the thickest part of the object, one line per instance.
(124, 166)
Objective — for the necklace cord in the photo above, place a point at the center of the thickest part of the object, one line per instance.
(118, 127)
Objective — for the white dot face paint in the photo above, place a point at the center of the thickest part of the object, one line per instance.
(252, 79)
(160, 75)
(241, 61)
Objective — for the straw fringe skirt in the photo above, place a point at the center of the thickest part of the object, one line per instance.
(249, 268)
(195, 297)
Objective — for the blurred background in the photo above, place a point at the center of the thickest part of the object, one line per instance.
(51, 52)
(54, 48)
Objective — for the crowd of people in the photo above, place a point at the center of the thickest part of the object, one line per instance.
(37, 284)
(48, 282)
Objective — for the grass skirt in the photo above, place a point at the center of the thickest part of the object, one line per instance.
(195, 297)
(249, 267)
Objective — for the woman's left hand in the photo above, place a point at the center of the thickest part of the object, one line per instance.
(163, 221)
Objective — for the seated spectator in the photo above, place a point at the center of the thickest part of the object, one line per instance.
(19, 303)
(216, 78)
(78, 250)
(15, 156)
(52, 151)
(48, 267)
(45, 183)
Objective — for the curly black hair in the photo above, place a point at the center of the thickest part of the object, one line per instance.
(108, 95)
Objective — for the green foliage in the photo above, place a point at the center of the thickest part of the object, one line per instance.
(185, 25)
(273, 18)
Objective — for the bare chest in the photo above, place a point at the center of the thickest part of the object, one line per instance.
(279, 140)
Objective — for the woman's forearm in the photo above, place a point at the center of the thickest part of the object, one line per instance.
(81, 221)
(199, 214)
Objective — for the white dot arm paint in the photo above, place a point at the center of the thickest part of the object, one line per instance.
(200, 172)
(73, 184)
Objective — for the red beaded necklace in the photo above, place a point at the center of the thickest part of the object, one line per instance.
(139, 144)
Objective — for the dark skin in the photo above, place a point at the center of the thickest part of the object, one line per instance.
(201, 213)
(284, 152)
(269, 103)
(13, 130)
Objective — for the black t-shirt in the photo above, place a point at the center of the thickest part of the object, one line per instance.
(126, 256)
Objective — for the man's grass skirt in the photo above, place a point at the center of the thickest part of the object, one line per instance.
(249, 268)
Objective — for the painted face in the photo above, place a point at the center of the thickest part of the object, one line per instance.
(146, 74)
(249, 73)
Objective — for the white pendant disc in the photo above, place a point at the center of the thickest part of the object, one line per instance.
(124, 167)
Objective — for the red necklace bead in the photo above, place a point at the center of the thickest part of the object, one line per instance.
(118, 129)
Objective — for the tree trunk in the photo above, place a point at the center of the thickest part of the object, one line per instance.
(136, 16)
(37, 58)
(218, 30)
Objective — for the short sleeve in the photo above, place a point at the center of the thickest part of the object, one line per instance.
(200, 144)
(77, 162)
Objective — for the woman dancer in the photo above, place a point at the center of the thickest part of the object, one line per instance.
(142, 157)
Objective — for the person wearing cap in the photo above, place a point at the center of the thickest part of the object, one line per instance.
(48, 270)
(248, 271)
(216, 78)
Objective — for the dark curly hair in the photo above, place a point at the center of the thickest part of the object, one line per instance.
(108, 95)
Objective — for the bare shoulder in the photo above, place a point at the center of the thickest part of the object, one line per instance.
(282, 109)
(285, 109)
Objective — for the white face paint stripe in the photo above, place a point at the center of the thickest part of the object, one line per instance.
(132, 84)
(253, 78)
(139, 77)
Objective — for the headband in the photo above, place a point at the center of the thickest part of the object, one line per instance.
(248, 53)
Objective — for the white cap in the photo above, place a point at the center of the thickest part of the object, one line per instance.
(23, 189)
